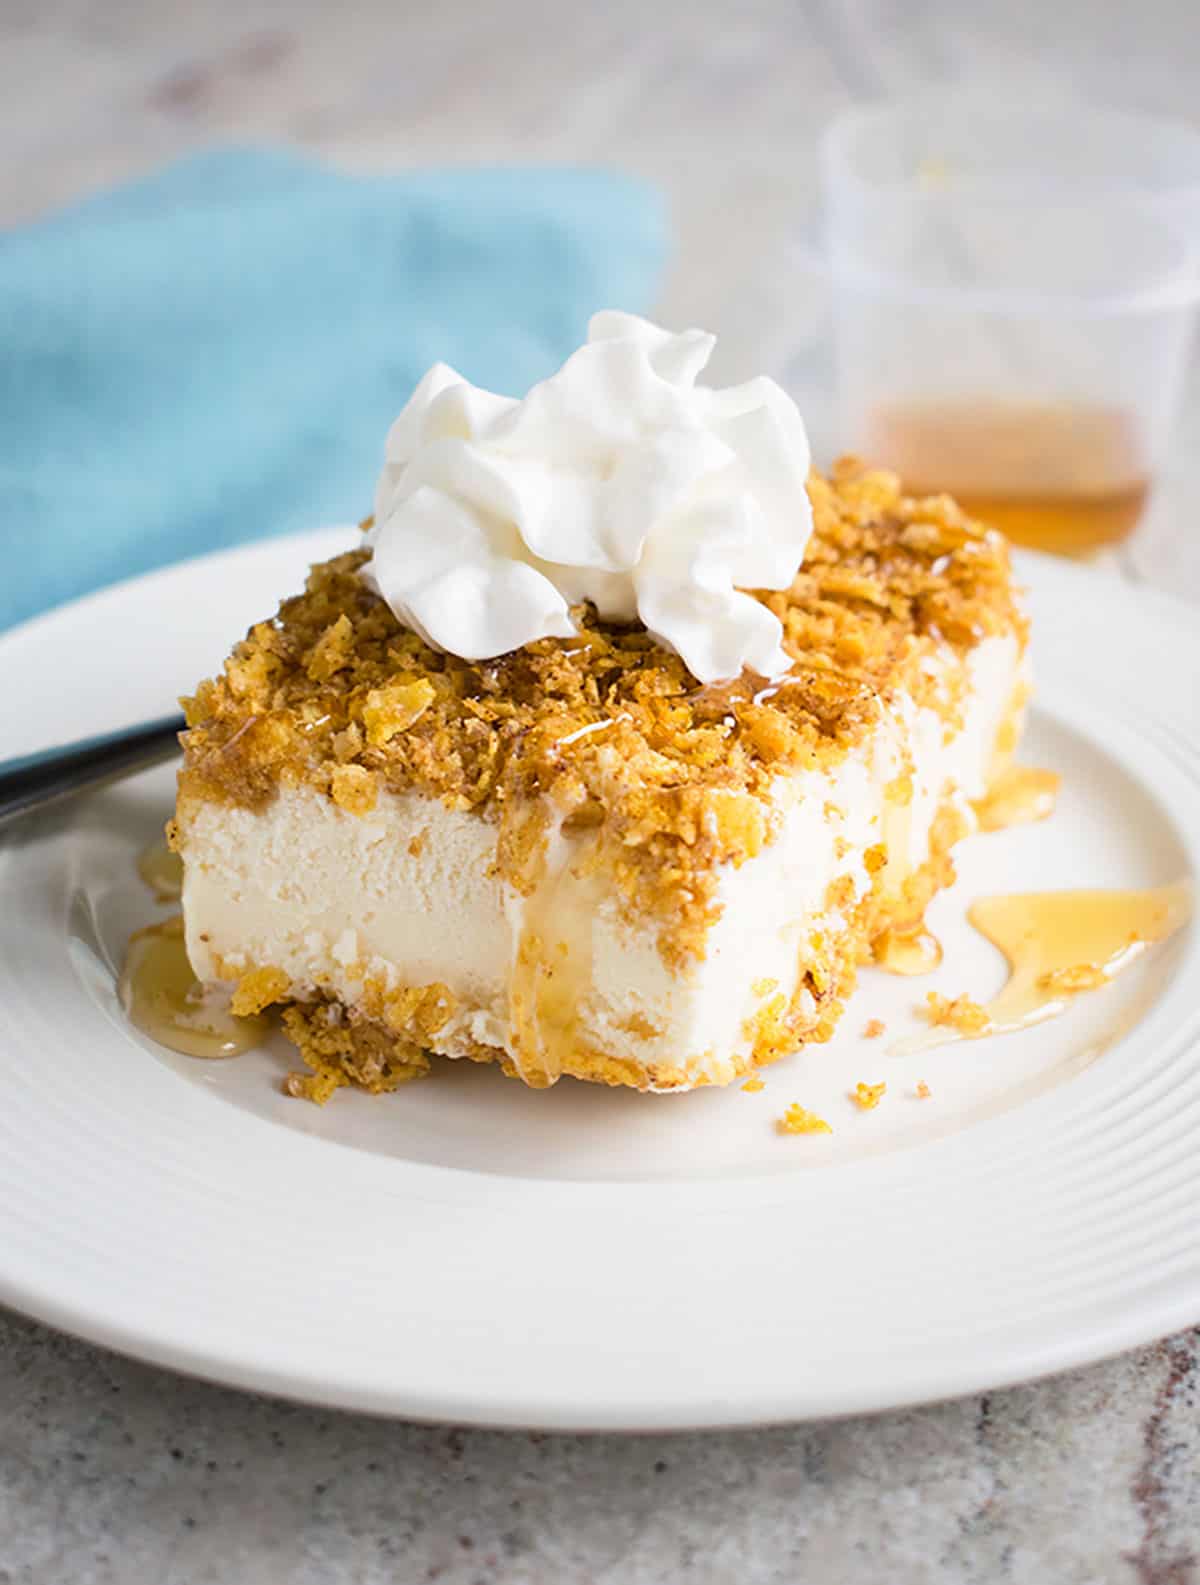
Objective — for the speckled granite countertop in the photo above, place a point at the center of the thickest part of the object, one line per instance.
(112, 1473)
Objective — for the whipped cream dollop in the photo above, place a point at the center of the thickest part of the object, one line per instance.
(618, 480)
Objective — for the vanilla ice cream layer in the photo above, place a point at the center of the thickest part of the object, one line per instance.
(409, 895)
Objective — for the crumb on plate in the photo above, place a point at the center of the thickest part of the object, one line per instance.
(874, 1029)
(959, 1012)
(798, 1121)
(868, 1096)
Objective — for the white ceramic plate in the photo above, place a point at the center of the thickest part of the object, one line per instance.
(470, 1250)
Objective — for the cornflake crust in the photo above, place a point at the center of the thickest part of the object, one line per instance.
(672, 777)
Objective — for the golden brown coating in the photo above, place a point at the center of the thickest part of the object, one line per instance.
(611, 727)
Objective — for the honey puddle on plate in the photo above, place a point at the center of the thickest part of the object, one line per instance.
(916, 951)
(1057, 944)
(162, 871)
(164, 999)
(1018, 796)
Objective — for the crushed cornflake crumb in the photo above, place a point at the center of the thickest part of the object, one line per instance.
(875, 858)
(395, 708)
(868, 1096)
(923, 1090)
(752, 1086)
(357, 1051)
(1082, 977)
(257, 990)
(353, 787)
(797, 1121)
(960, 1013)
(874, 1029)
(314, 1087)
(332, 650)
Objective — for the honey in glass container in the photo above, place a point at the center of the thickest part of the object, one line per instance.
(1063, 478)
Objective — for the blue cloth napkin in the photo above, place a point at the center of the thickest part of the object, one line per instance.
(214, 353)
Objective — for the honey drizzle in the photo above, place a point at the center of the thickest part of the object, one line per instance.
(1018, 796)
(552, 971)
(912, 951)
(162, 871)
(164, 999)
(896, 830)
(1059, 944)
